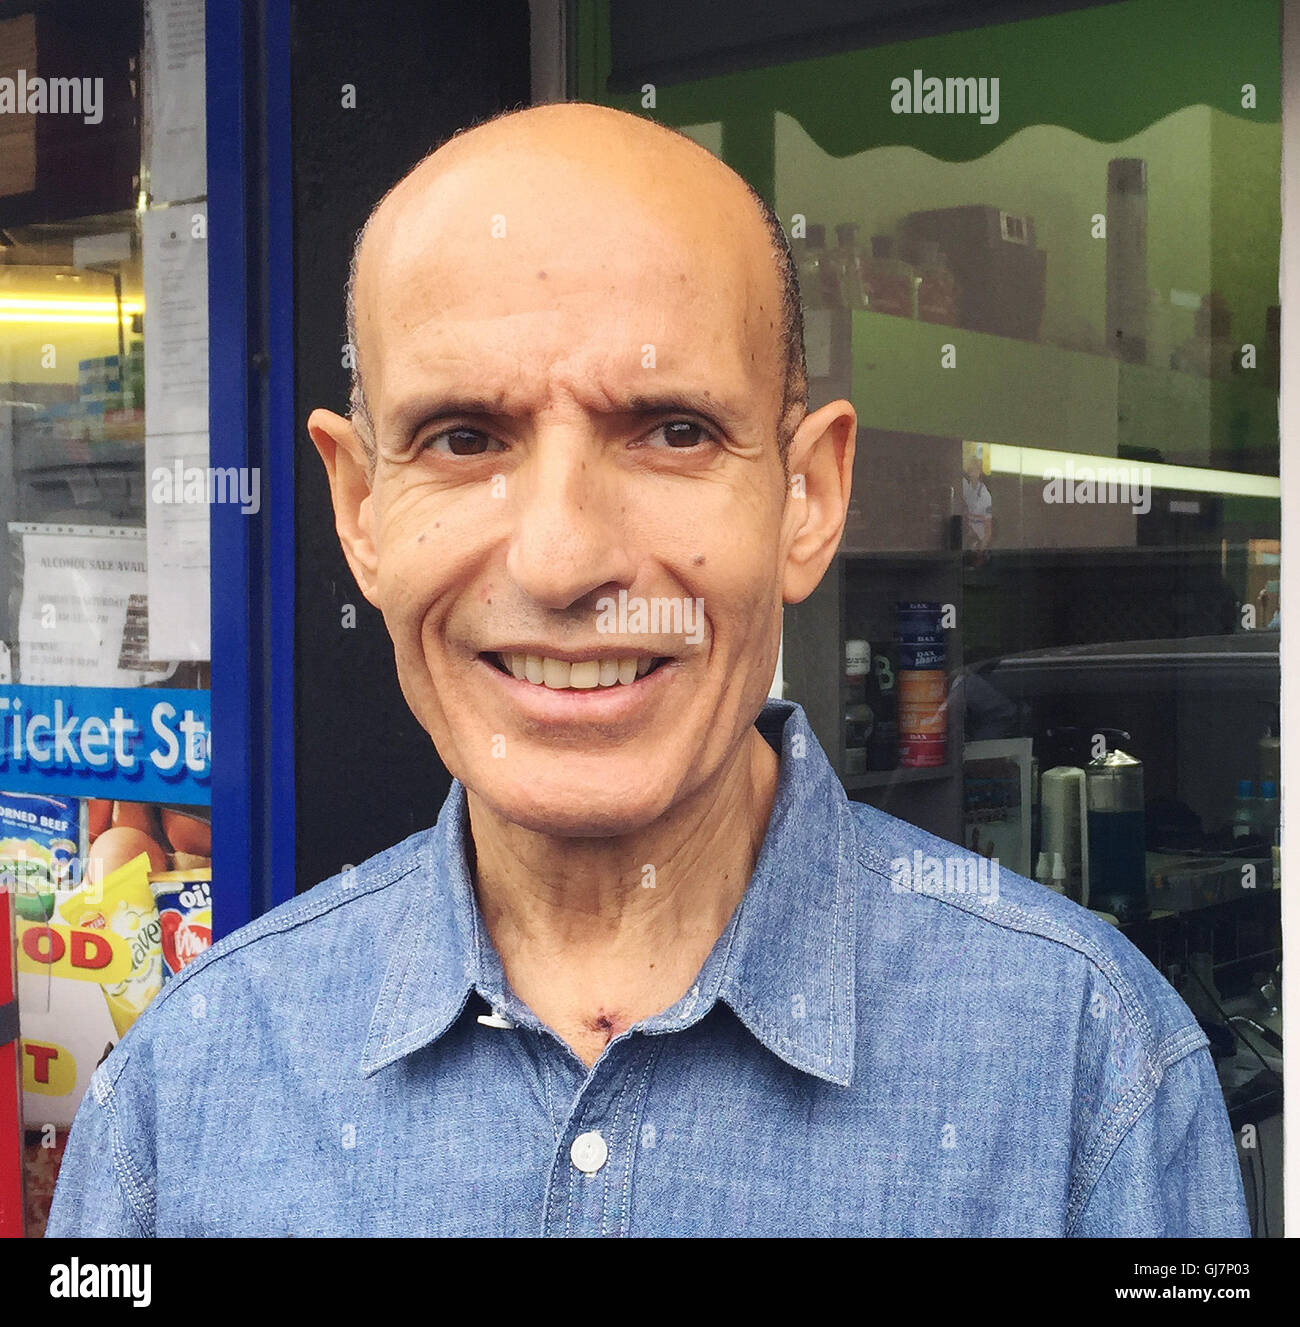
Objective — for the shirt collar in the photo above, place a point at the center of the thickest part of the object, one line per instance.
(784, 963)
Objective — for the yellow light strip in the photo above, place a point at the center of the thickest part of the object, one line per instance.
(81, 319)
(39, 305)
(1037, 462)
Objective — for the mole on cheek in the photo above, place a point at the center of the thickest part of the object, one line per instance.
(697, 560)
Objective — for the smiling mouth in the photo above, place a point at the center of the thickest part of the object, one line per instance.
(582, 675)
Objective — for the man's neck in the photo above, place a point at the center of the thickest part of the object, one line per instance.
(597, 934)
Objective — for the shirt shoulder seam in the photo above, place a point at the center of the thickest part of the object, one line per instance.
(1176, 1047)
(1056, 933)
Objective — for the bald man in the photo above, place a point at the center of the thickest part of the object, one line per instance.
(651, 972)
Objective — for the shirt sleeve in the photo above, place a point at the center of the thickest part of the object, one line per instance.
(1175, 1173)
(104, 1188)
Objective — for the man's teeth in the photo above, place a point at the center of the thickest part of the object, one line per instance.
(560, 675)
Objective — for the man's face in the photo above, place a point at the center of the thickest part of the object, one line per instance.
(575, 391)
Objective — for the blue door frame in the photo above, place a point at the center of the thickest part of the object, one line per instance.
(251, 413)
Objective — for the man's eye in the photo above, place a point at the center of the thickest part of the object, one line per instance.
(459, 442)
(682, 433)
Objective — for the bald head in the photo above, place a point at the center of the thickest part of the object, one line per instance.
(583, 365)
(600, 164)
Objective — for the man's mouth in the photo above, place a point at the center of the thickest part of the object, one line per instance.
(577, 674)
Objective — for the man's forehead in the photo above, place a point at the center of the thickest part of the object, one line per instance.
(522, 365)
(568, 264)
(518, 211)
(549, 151)
(485, 220)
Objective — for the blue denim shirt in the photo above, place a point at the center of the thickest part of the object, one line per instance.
(869, 1049)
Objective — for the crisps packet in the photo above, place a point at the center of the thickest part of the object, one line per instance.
(123, 904)
(184, 900)
(39, 837)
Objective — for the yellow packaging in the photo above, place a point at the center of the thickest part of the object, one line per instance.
(123, 904)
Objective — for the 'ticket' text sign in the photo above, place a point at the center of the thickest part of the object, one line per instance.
(142, 744)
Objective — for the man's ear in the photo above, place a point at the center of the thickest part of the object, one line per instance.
(817, 502)
(345, 463)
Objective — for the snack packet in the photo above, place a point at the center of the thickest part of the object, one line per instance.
(38, 849)
(184, 900)
(122, 904)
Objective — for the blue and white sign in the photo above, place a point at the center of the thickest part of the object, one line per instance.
(139, 745)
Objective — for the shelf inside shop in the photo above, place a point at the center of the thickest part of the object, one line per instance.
(901, 557)
(884, 778)
(1113, 553)
(1239, 933)
(1026, 393)
(1207, 662)
(54, 455)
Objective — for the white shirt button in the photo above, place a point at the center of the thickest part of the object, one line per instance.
(589, 1152)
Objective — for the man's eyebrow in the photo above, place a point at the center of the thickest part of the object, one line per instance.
(410, 415)
(676, 400)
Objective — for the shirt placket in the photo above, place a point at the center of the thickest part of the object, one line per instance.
(589, 1189)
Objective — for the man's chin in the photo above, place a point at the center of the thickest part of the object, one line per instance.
(560, 800)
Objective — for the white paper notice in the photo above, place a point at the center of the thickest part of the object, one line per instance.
(179, 589)
(176, 319)
(175, 126)
(82, 606)
(176, 429)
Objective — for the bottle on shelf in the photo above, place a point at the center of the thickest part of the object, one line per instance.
(819, 285)
(858, 715)
(1050, 871)
(133, 376)
(1268, 811)
(1210, 351)
(1036, 809)
(1117, 836)
(882, 696)
(936, 292)
(922, 686)
(1268, 822)
(1244, 812)
(1269, 749)
(1063, 795)
(1126, 259)
(847, 260)
(891, 284)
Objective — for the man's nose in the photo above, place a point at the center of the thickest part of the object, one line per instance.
(570, 518)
